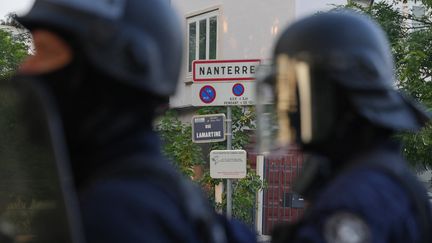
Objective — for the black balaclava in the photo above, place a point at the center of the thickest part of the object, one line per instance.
(348, 133)
(103, 119)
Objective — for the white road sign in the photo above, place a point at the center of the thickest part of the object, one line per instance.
(223, 94)
(224, 70)
(228, 164)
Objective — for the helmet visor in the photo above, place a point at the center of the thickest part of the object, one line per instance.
(284, 104)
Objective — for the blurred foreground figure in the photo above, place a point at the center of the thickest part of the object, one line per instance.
(108, 67)
(332, 92)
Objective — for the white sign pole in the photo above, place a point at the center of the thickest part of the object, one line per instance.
(240, 93)
(219, 188)
(260, 197)
(229, 146)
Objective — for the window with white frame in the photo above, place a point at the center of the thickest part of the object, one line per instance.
(202, 36)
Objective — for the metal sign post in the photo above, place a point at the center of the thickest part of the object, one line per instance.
(228, 164)
(224, 83)
(229, 146)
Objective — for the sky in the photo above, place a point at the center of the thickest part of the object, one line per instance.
(18, 6)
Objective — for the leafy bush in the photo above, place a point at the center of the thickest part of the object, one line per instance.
(179, 147)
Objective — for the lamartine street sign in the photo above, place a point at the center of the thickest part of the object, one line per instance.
(208, 128)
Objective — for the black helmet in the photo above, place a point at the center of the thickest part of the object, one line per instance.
(330, 64)
(138, 42)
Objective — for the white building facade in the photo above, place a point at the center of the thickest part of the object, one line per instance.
(234, 30)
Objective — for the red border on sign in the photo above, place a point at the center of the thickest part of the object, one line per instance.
(238, 84)
(202, 88)
(220, 61)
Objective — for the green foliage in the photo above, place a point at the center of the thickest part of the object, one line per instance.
(244, 190)
(412, 49)
(11, 20)
(427, 3)
(25, 217)
(178, 145)
(21, 34)
(415, 68)
(12, 52)
(417, 147)
(242, 124)
(244, 197)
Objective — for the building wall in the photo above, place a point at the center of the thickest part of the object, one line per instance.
(247, 29)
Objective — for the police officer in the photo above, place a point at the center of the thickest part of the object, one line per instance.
(109, 65)
(332, 86)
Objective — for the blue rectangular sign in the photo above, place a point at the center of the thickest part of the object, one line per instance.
(208, 128)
